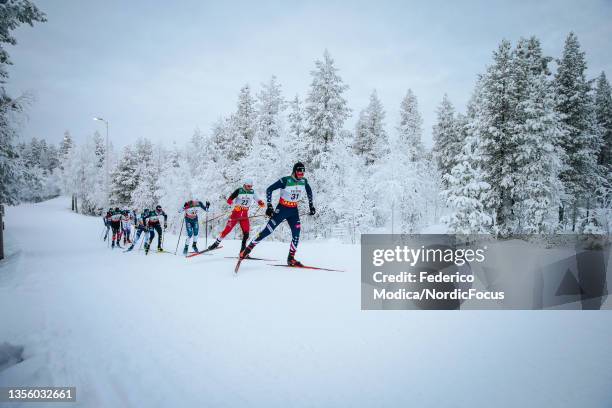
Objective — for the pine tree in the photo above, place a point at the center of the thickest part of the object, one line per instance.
(410, 128)
(446, 137)
(467, 192)
(123, 181)
(296, 118)
(270, 107)
(246, 116)
(12, 15)
(326, 109)
(66, 146)
(371, 141)
(144, 194)
(581, 141)
(536, 129)
(493, 117)
(603, 112)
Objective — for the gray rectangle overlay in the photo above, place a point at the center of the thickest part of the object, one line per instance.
(37, 394)
(458, 272)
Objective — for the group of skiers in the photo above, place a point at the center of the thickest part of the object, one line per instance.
(119, 223)
(292, 189)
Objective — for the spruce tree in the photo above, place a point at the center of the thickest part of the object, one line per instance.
(270, 107)
(326, 108)
(446, 137)
(123, 181)
(410, 127)
(296, 118)
(536, 128)
(603, 113)
(371, 141)
(581, 141)
(494, 114)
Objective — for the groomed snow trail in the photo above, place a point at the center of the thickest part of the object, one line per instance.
(130, 330)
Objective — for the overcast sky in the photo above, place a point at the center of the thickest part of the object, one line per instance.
(162, 68)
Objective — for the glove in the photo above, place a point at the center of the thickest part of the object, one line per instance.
(269, 210)
(312, 209)
(207, 205)
(261, 204)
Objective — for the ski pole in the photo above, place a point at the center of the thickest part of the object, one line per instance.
(179, 238)
(206, 235)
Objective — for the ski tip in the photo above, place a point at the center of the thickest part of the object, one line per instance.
(237, 266)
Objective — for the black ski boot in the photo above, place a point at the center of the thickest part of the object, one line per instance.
(186, 249)
(113, 244)
(195, 247)
(291, 261)
(214, 245)
(130, 248)
(147, 246)
(160, 249)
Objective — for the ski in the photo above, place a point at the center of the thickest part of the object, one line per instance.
(237, 266)
(192, 254)
(308, 267)
(252, 258)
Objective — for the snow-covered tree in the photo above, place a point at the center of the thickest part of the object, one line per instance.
(536, 189)
(12, 15)
(326, 109)
(66, 146)
(246, 115)
(145, 194)
(467, 192)
(84, 176)
(371, 141)
(123, 181)
(296, 118)
(493, 117)
(446, 137)
(270, 107)
(603, 113)
(582, 140)
(410, 128)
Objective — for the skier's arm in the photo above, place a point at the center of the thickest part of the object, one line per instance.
(309, 194)
(233, 196)
(260, 202)
(279, 184)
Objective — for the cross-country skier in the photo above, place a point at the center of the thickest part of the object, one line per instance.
(153, 224)
(141, 227)
(106, 218)
(126, 221)
(191, 222)
(115, 223)
(241, 200)
(292, 189)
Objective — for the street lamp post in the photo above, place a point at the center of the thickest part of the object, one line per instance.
(106, 161)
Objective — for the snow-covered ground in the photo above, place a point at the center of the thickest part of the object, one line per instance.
(130, 330)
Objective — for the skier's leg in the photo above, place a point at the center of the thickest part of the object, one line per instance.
(189, 230)
(276, 219)
(158, 228)
(195, 229)
(245, 226)
(228, 228)
(294, 224)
